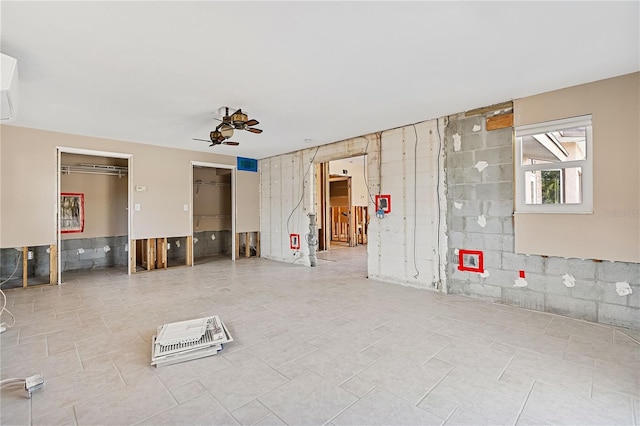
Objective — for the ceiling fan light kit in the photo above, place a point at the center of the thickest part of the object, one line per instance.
(238, 120)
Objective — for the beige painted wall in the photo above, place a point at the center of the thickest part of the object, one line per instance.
(105, 197)
(359, 195)
(612, 232)
(248, 202)
(28, 187)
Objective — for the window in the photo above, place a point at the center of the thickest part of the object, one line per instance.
(554, 167)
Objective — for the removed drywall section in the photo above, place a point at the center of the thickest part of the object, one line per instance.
(13, 268)
(405, 246)
(93, 253)
(576, 288)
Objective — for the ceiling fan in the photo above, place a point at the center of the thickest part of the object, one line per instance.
(238, 120)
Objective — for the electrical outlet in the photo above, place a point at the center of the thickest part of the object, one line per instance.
(29, 255)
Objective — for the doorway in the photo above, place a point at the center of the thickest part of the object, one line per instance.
(213, 205)
(342, 198)
(93, 220)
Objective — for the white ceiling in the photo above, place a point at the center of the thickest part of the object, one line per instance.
(156, 72)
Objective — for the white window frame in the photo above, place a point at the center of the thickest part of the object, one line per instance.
(586, 206)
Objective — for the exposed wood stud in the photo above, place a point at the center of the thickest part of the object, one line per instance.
(25, 255)
(189, 251)
(53, 264)
(499, 121)
(247, 244)
(490, 108)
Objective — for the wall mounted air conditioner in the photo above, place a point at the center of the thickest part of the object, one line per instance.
(8, 87)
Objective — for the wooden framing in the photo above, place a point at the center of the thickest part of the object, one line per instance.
(499, 121)
(247, 244)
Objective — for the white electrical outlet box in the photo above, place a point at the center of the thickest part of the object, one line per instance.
(185, 207)
(29, 255)
(141, 188)
(136, 207)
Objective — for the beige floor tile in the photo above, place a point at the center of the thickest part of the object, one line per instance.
(382, 408)
(202, 410)
(321, 327)
(404, 378)
(241, 383)
(473, 391)
(554, 405)
(307, 400)
(251, 413)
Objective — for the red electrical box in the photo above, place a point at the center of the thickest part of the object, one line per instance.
(294, 241)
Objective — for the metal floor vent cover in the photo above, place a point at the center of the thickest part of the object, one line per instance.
(186, 340)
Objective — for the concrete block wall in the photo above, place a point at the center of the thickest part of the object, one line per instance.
(93, 253)
(36, 267)
(480, 217)
(205, 243)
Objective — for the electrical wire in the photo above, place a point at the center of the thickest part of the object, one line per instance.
(304, 179)
(415, 201)
(438, 199)
(4, 309)
(364, 172)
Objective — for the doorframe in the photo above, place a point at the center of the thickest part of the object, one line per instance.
(234, 171)
(96, 153)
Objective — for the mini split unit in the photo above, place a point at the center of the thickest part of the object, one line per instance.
(8, 87)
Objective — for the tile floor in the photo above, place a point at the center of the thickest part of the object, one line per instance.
(313, 346)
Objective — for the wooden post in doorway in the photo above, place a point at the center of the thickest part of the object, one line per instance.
(25, 255)
(53, 264)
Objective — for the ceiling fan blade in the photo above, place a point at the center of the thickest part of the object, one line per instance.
(231, 143)
(202, 140)
(252, 122)
(253, 130)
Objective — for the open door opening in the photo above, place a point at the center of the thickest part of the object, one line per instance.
(343, 217)
(93, 212)
(213, 212)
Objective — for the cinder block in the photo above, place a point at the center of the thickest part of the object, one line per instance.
(466, 125)
(465, 175)
(574, 308)
(457, 223)
(623, 316)
(522, 262)
(456, 238)
(584, 289)
(498, 173)
(556, 266)
(457, 287)
(465, 276)
(100, 242)
(501, 137)
(494, 156)
(555, 285)
(460, 159)
(492, 259)
(494, 191)
(74, 244)
(619, 271)
(493, 225)
(487, 292)
(523, 298)
(611, 296)
(507, 225)
(472, 142)
(462, 192)
(467, 208)
(500, 278)
(582, 268)
(508, 243)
